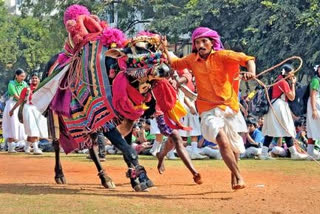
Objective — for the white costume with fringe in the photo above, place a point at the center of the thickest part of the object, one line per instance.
(285, 126)
(35, 124)
(313, 126)
(11, 127)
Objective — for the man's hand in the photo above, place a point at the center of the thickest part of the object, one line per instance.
(248, 76)
(10, 113)
(293, 80)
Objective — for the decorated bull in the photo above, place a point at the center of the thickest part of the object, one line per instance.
(78, 99)
(77, 95)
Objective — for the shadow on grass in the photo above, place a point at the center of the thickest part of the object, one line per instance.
(94, 190)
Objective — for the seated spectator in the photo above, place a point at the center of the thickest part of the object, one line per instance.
(45, 145)
(159, 138)
(139, 139)
(254, 138)
(144, 132)
(301, 136)
(279, 148)
(209, 149)
(260, 123)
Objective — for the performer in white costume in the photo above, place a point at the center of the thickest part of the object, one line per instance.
(35, 124)
(13, 130)
(313, 113)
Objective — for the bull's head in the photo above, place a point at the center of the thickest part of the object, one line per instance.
(141, 58)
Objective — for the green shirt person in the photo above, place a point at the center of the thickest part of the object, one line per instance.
(314, 84)
(13, 130)
(313, 114)
(315, 95)
(15, 88)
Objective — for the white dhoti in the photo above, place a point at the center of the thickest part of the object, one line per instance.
(282, 128)
(313, 126)
(35, 124)
(11, 127)
(231, 122)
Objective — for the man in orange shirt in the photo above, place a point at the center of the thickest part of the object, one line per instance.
(216, 74)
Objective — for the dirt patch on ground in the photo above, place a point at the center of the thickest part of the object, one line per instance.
(267, 192)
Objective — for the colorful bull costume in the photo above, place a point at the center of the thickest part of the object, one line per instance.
(87, 91)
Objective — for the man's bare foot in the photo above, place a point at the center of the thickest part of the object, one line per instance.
(197, 178)
(240, 184)
(160, 166)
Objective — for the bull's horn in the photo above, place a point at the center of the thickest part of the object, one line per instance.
(115, 53)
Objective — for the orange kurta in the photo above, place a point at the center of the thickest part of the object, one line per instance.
(216, 77)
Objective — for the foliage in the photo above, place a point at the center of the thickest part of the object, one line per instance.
(271, 30)
(25, 43)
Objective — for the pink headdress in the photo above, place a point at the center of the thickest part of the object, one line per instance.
(74, 11)
(204, 32)
(81, 27)
(112, 36)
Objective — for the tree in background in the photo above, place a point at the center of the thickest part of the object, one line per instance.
(26, 42)
(270, 30)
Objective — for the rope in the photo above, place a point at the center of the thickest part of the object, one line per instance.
(236, 78)
(269, 101)
(266, 87)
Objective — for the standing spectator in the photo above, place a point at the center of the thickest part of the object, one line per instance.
(281, 92)
(313, 113)
(35, 124)
(154, 130)
(13, 130)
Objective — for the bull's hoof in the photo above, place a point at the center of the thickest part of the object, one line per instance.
(143, 178)
(106, 181)
(60, 180)
(109, 185)
(149, 183)
(137, 185)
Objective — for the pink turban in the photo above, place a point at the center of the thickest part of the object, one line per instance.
(204, 32)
